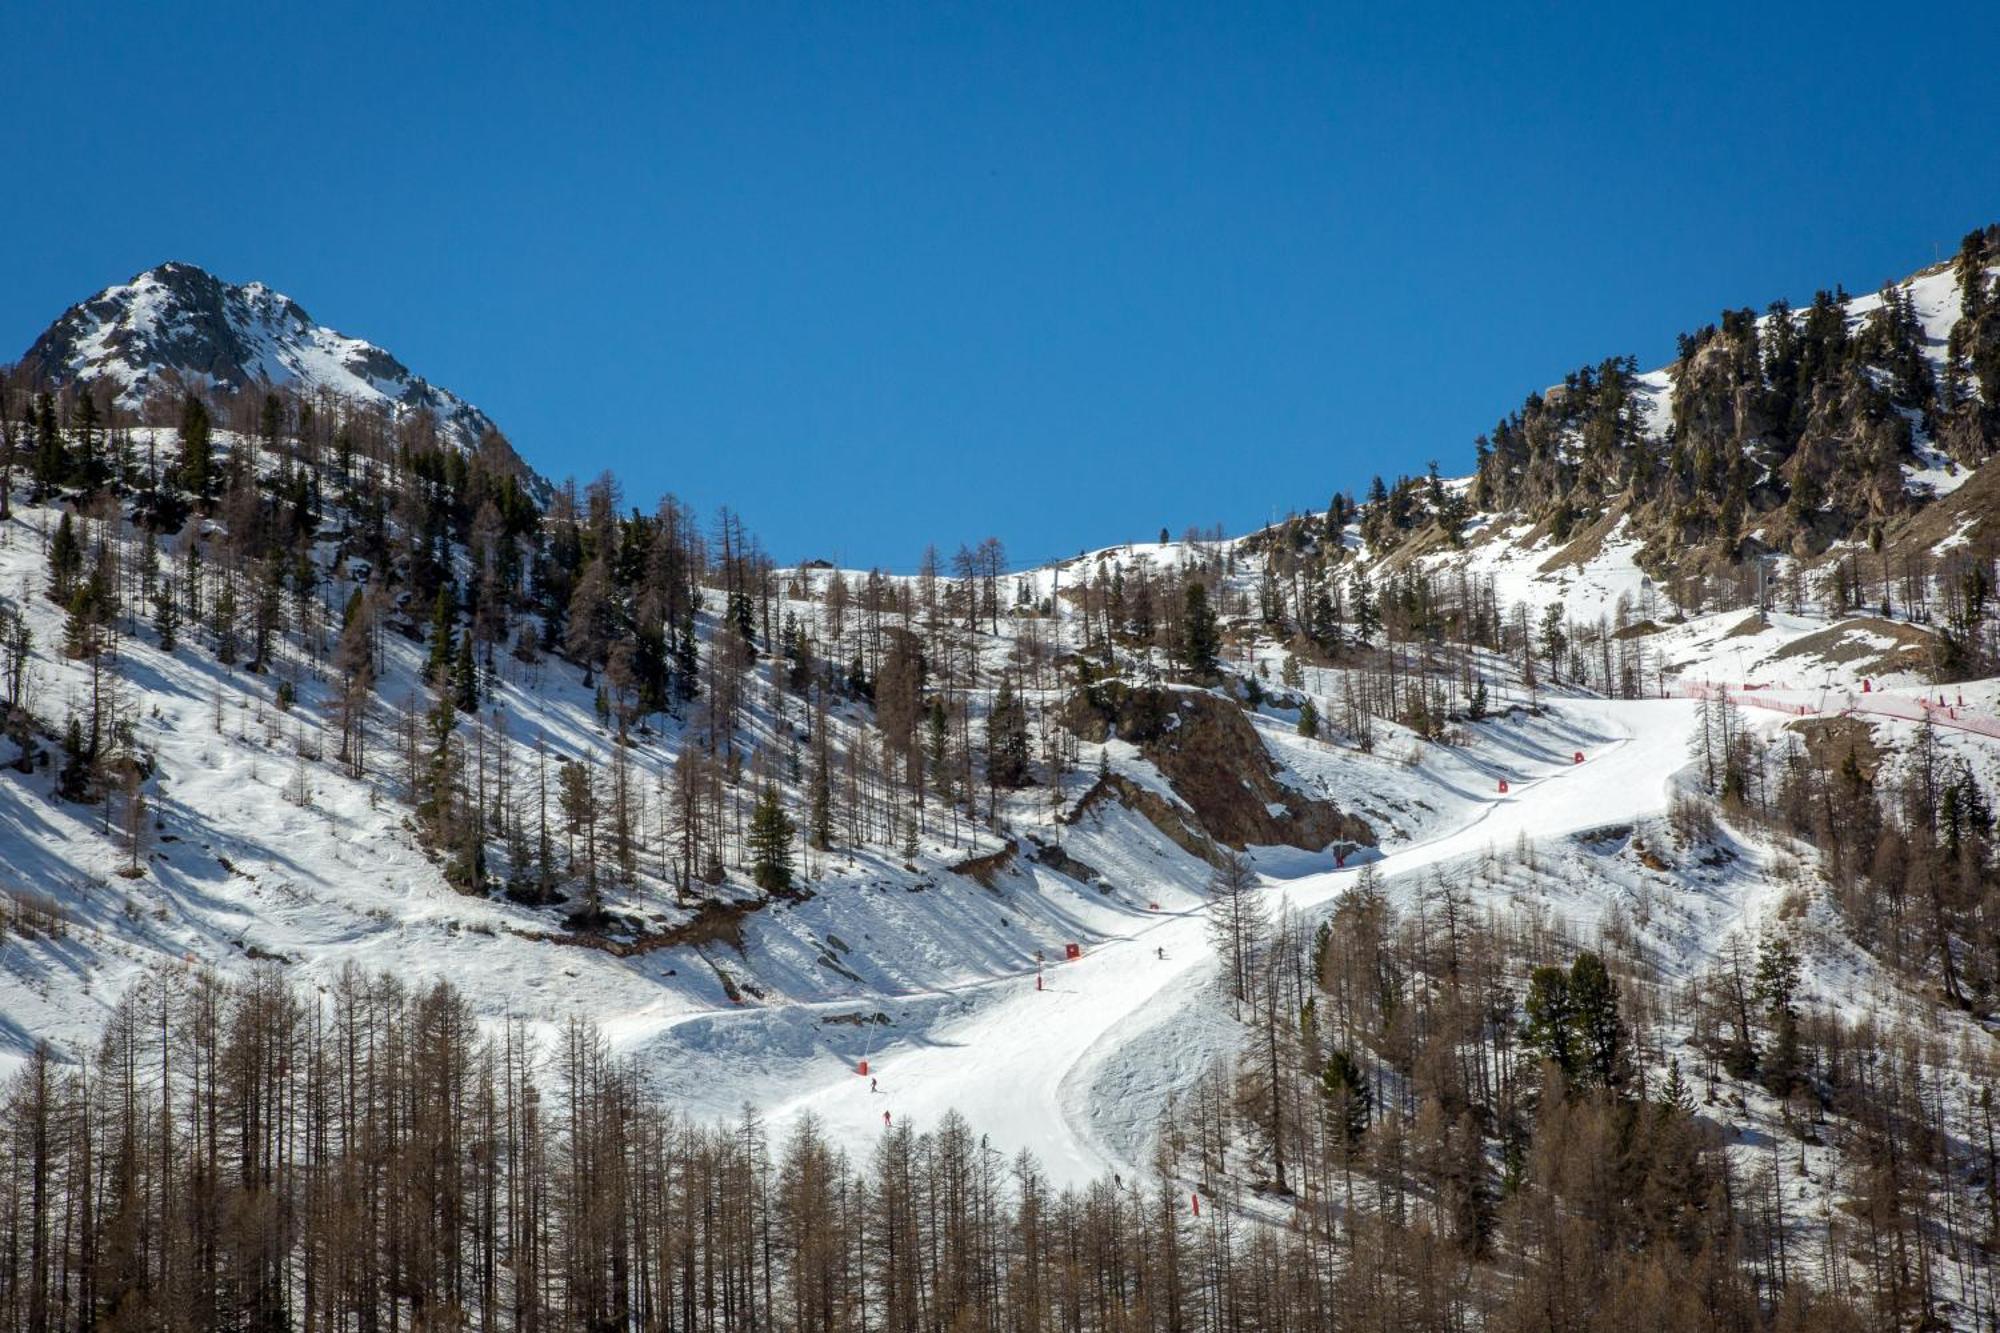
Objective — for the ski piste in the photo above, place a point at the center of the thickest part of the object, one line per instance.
(1030, 1068)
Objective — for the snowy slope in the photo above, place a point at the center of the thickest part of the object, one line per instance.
(264, 853)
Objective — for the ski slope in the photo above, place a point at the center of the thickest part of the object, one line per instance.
(1078, 1070)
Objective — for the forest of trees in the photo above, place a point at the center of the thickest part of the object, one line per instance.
(1789, 435)
(1438, 1119)
(1796, 423)
(1493, 1121)
(874, 710)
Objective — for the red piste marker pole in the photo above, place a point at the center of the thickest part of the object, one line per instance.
(1196, 1198)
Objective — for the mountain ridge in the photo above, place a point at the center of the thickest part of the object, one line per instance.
(178, 325)
(290, 698)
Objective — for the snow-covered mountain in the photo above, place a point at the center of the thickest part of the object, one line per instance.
(177, 324)
(388, 722)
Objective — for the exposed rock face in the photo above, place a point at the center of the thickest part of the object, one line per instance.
(178, 324)
(1215, 762)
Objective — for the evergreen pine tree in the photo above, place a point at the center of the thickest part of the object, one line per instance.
(771, 833)
(687, 658)
(1549, 1028)
(73, 779)
(65, 560)
(1776, 988)
(166, 615)
(1308, 720)
(1554, 637)
(444, 617)
(225, 623)
(1675, 1094)
(1007, 739)
(51, 459)
(1600, 1030)
(1361, 598)
(197, 471)
(1345, 1088)
(465, 678)
(90, 469)
(1200, 641)
(937, 749)
(741, 620)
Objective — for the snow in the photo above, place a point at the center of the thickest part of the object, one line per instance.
(928, 975)
(1077, 1070)
(128, 325)
(243, 870)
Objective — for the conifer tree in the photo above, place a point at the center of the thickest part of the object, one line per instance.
(937, 750)
(1007, 739)
(224, 611)
(1361, 599)
(90, 470)
(1600, 1028)
(197, 469)
(1200, 641)
(1348, 1098)
(443, 636)
(73, 778)
(771, 833)
(1555, 639)
(65, 560)
(1675, 1094)
(1550, 1026)
(166, 615)
(51, 458)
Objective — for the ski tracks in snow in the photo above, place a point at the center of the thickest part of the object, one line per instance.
(1079, 1070)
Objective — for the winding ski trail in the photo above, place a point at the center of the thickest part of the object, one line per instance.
(1077, 1070)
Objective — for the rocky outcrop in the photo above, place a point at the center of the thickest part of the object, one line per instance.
(1216, 764)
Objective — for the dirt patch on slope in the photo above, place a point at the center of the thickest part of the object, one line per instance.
(1853, 642)
(1829, 740)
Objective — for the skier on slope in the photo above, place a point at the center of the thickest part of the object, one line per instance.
(871, 1085)
(885, 1120)
(1162, 951)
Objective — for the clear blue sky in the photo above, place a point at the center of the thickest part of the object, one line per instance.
(881, 275)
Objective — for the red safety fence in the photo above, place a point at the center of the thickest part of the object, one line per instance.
(1942, 711)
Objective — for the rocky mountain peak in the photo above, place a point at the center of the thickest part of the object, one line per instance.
(177, 323)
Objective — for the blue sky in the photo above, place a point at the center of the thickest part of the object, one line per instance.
(883, 275)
